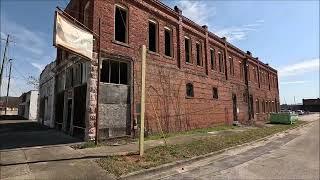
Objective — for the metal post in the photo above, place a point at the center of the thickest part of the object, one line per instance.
(8, 88)
(3, 61)
(143, 86)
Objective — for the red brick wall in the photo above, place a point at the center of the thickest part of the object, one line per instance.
(167, 77)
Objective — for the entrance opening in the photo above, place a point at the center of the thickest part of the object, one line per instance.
(234, 103)
(69, 106)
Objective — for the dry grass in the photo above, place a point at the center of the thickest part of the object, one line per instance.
(120, 165)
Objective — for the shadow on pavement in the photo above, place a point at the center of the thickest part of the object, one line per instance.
(26, 133)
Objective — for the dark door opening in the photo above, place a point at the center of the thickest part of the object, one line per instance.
(69, 106)
(234, 103)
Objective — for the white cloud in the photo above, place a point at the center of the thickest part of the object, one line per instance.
(38, 66)
(201, 12)
(26, 39)
(198, 11)
(237, 33)
(294, 82)
(3, 36)
(299, 68)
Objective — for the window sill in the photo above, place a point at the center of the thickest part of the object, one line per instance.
(189, 63)
(168, 57)
(121, 43)
(189, 97)
(153, 53)
(199, 66)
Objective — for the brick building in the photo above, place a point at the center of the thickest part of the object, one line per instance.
(194, 79)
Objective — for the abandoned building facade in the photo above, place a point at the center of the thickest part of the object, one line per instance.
(194, 79)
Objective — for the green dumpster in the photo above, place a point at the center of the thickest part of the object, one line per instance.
(283, 118)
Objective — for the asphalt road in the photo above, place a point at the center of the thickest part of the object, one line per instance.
(291, 155)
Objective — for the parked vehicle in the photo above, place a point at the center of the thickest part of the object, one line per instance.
(300, 112)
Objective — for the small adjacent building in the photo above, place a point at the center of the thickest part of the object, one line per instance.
(12, 106)
(312, 105)
(46, 96)
(28, 106)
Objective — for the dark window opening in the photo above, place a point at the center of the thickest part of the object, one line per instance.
(215, 93)
(114, 72)
(231, 66)
(105, 71)
(153, 36)
(212, 58)
(187, 46)
(198, 49)
(189, 89)
(257, 106)
(69, 78)
(121, 24)
(167, 42)
(221, 63)
(123, 73)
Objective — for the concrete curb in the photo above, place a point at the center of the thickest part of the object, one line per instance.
(136, 174)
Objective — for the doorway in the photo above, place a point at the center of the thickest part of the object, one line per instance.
(234, 107)
(69, 115)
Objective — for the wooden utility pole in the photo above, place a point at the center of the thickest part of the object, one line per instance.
(8, 87)
(143, 89)
(3, 61)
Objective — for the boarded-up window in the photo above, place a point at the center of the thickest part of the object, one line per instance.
(153, 36)
(168, 42)
(212, 59)
(121, 24)
(187, 46)
(189, 90)
(115, 72)
(198, 54)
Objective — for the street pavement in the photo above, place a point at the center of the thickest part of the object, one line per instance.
(31, 151)
(290, 155)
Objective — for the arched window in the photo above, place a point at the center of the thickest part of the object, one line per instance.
(189, 90)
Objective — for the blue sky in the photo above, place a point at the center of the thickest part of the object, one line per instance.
(284, 34)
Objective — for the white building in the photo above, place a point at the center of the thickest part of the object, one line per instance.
(28, 107)
(46, 96)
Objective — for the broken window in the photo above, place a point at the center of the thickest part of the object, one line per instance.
(86, 14)
(212, 59)
(168, 42)
(121, 24)
(215, 93)
(198, 51)
(189, 90)
(153, 36)
(115, 72)
(187, 46)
